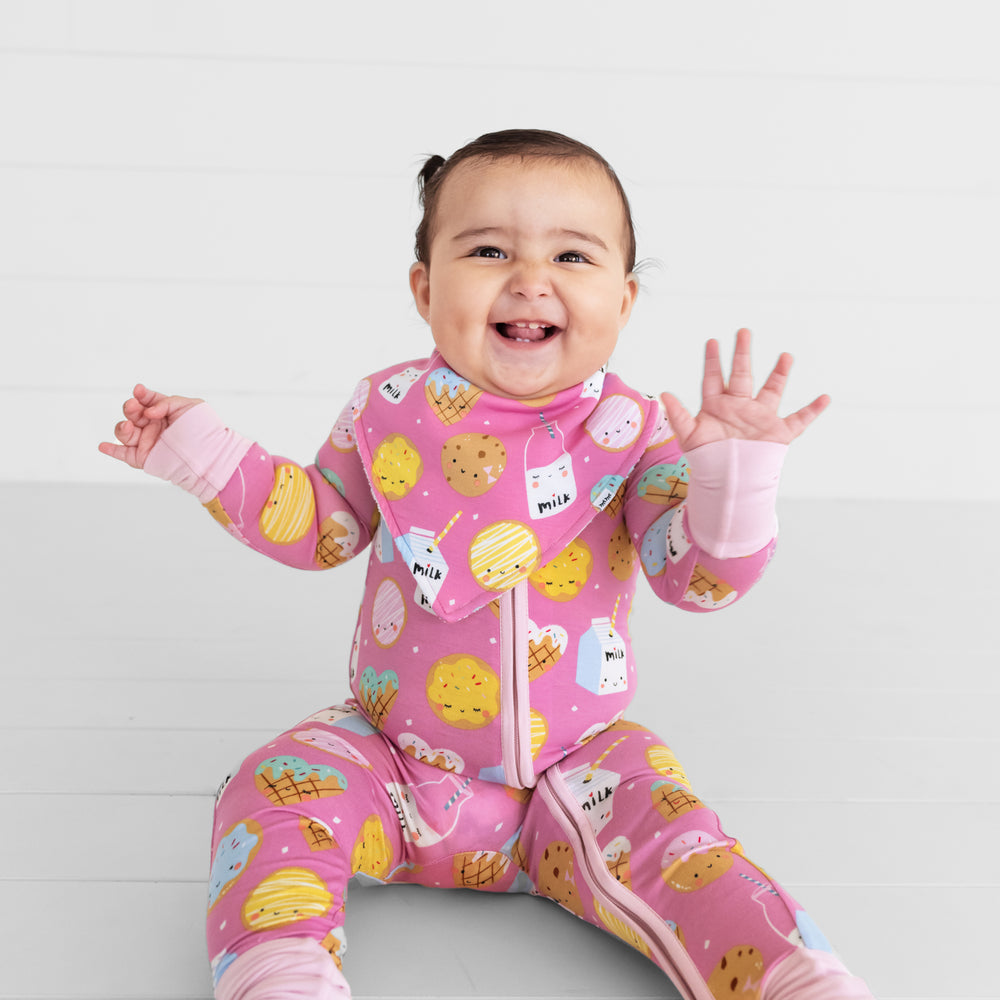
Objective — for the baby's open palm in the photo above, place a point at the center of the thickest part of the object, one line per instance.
(732, 411)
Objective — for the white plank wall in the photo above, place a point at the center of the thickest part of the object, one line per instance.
(218, 198)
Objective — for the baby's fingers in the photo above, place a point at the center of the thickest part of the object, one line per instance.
(797, 422)
(128, 435)
(774, 388)
(678, 417)
(116, 451)
(152, 406)
(145, 405)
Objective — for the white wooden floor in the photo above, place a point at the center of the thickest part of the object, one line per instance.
(843, 719)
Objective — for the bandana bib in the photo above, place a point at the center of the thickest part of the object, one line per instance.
(477, 491)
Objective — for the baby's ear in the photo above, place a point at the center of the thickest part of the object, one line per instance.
(420, 286)
(628, 298)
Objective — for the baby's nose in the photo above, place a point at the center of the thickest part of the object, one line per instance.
(530, 280)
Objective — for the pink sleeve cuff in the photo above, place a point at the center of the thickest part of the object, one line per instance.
(731, 499)
(198, 453)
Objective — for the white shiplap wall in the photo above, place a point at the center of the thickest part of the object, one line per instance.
(218, 199)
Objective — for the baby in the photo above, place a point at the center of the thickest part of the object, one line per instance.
(512, 490)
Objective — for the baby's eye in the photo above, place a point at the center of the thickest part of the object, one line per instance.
(492, 252)
(572, 257)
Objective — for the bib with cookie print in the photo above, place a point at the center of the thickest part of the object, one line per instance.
(477, 491)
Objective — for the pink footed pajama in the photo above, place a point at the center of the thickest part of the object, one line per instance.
(486, 744)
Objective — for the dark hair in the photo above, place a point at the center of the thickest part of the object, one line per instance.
(512, 143)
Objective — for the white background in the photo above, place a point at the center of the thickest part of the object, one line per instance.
(218, 199)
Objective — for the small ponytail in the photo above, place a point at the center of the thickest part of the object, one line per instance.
(431, 166)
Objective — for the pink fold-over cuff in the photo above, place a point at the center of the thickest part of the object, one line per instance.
(732, 496)
(198, 453)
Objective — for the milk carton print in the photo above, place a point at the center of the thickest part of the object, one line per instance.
(594, 787)
(420, 548)
(443, 798)
(428, 566)
(395, 387)
(548, 472)
(594, 385)
(602, 664)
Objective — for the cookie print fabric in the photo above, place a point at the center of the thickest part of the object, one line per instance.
(507, 540)
(613, 834)
(485, 744)
(485, 489)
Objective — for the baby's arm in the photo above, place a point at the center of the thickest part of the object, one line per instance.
(724, 463)
(703, 523)
(311, 517)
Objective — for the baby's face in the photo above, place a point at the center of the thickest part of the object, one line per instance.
(526, 289)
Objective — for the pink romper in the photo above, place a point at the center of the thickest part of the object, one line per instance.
(485, 745)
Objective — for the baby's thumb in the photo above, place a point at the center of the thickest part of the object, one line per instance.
(678, 417)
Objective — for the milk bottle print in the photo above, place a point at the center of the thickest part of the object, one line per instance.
(424, 558)
(594, 787)
(548, 472)
(445, 797)
(395, 387)
(420, 548)
(601, 665)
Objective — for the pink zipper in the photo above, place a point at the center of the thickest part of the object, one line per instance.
(620, 901)
(515, 714)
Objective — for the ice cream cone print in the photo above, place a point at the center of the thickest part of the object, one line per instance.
(546, 646)
(478, 869)
(618, 857)
(378, 692)
(450, 396)
(338, 539)
(709, 591)
(288, 780)
(317, 834)
(672, 801)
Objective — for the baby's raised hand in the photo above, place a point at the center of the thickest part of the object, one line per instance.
(732, 411)
(147, 415)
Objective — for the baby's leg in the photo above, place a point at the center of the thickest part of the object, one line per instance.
(298, 819)
(615, 835)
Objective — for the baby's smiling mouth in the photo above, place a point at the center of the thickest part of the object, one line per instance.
(526, 332)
